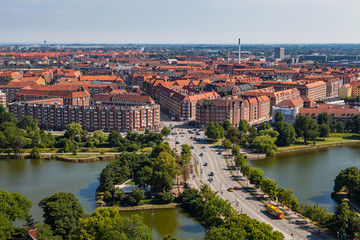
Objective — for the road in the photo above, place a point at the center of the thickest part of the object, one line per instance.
(294, 227)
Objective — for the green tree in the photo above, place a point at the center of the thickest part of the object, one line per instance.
(165, 131)
(135, 197)
(108, 223)
(14, 206)
(115, 139)
(263, 126)
(346, 218)
(62, 212)
(6, 116)
(143, 177)
(286, 132)
(256, 176)
(28, 123)
(214, 131)
(6, 227)
(227, 144)
(269, 186)
(73, 130)
(15, 137)
(166, 197)
(324, 130)
(44, 232)
(306, 127)
(348, 180)
(235, 136)
(100, 135)
(35, 153)
(244, 126)
(227, 125)
(323, 118)
(279, 117)
(265, 144)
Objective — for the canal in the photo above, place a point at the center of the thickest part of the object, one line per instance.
(310, 174)
(37, 179)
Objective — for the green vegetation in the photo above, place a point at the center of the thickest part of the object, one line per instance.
(221, 219)
(214, 131)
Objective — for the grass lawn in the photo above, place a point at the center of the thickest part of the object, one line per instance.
(333, 139)
(78, 155)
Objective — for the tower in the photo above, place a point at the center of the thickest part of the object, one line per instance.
(279, 53)
(239, 51)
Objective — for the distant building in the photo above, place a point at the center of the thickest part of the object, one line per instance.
(289, 113)
(315, 58)
(3, 99)
(279, 53)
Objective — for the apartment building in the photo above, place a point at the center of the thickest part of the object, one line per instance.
(315, 90)
(3, 99)
(340, 113)
(51, 114)
(233, 108)
(181, 103)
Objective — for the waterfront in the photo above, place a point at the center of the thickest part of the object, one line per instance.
(310, 174)
(174, 221)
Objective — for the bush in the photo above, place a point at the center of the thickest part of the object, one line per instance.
(35, 153)
(166, 197)
(107, 196)
(135, 197)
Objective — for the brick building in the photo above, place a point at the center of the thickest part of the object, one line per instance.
(234, 109)
(340, 113)
(3, 99)
(181, 103)
(315, 90)
(50, 113)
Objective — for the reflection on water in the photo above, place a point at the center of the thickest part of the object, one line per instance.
(163, 222)
(37, 179)
(310, 174)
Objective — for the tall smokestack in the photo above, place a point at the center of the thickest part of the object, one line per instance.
(239, 51)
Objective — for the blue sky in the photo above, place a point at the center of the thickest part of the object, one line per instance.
(180, 21)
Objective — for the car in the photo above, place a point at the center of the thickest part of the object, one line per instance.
(236, 188)
(187, 186)
(175, 194)
(205, 164)
(212, 174)
(230, 190)
(203, 147)
(177, 142)
(219, 153)
(192, 147)
(201, 154)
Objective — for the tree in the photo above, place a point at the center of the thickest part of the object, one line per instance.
(15, 137)
(6, 116)
(324, 130)
(28, 123)
(186, 152)
(286, 134)
(306, 127)
(244, 126)
(62, 212)
(73, 130)
(227, 125)
(166, 197)
(279, 117)
(14, 206)
(6, 227)
(108, 223)
(323, 118)
(143, 177)
(214, 131)
(44, 232)
(114, 138)
(165, 131)
(235, 136)
(265, 144)
(348, 179)
(256, 176)
(100, 135)
(135, 197)
(347, 218)
(263, 126)
(227, 144)
(269, 186)
(35, 153)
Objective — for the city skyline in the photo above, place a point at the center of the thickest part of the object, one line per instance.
(180, 22)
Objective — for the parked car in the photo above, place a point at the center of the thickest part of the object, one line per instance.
(236, 188)
(201, 154)
(219, 153)
(192, 147)
(177, 142)
(230, 189)
(212, 174)
(205, 164)
(187, 186)
(203, 147)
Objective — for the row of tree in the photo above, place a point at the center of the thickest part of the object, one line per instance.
(350, 221)
(221, 219)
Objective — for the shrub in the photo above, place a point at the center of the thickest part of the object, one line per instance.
(166, 197)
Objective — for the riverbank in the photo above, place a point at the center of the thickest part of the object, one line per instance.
(145, 207)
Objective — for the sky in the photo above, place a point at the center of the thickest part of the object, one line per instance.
(180, 21)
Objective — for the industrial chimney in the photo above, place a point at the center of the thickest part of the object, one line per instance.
(239, 51)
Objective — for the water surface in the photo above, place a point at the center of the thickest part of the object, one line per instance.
(311, 174)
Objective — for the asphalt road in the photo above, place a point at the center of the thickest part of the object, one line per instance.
(294, 227)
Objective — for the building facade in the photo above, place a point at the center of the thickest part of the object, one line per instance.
(51, 114)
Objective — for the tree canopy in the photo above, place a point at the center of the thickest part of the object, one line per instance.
(306, 127)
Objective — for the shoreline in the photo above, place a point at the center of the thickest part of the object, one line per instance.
(145, 207)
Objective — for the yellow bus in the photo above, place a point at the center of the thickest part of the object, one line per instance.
(275, 211)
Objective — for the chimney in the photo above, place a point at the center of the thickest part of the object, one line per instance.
(239, 51)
